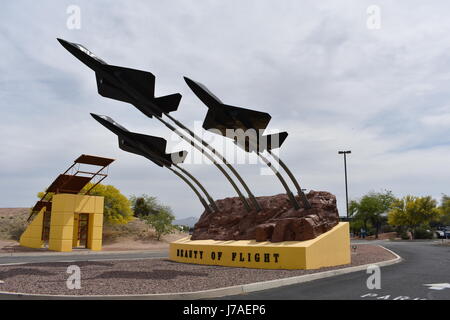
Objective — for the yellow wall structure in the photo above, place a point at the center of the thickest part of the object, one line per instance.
(329, 249)
(95, 231)
(32, 237)
(66, 209)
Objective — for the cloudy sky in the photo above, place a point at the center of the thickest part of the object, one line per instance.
(330, 73)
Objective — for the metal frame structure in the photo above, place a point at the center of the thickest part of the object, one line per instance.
(73, 182)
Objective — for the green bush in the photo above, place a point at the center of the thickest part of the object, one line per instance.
(387, 228)
(422, 233)
(404, 235)
(161, 222)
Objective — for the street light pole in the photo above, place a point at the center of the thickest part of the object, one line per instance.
(345, 168)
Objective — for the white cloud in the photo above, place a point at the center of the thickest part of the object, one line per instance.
(437, 120)
(324, 77)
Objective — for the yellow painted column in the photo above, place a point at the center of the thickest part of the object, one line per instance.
(61, 222)
(95, 231)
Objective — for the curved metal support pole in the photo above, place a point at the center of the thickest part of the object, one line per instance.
(291, 176)
(210, 199)
(283, 182)
(222, 158)
(244, 201)
(193, 188)
(182, 136)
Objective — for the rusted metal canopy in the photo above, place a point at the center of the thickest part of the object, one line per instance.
(68, 184)
(94, 160)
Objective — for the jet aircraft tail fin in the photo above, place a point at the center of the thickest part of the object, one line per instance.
(158, 145)
(168, 103)
(259, 143)
(275, 140)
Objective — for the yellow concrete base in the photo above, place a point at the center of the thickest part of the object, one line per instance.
(329, 249)
(64, 221)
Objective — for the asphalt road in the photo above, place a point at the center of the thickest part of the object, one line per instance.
(424, 263)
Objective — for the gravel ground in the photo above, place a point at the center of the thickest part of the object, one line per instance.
(151, 275)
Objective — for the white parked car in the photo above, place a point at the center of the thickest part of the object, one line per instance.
(443, 233)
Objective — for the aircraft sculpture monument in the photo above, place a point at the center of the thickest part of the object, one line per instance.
(281, 231)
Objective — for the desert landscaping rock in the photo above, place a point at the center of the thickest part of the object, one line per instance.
(277, 221)
(152, 276)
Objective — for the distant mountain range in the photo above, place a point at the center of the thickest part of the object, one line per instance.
(8, 212)
(190, 222)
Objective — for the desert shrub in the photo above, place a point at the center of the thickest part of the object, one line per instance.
(11, 228)
(135, 230)
(16, 231)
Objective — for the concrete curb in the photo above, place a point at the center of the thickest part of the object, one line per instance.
(219, 292)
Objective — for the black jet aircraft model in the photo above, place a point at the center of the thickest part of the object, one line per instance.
(154, 149)
(223, 117)
(125, 84)
(252, 123)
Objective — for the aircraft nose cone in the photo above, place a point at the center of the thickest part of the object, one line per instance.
(101, 119)
(63, 42)
(95, 116)
(189, 81)
(69, 46)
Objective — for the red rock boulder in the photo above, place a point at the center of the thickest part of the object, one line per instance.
(277, 221)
